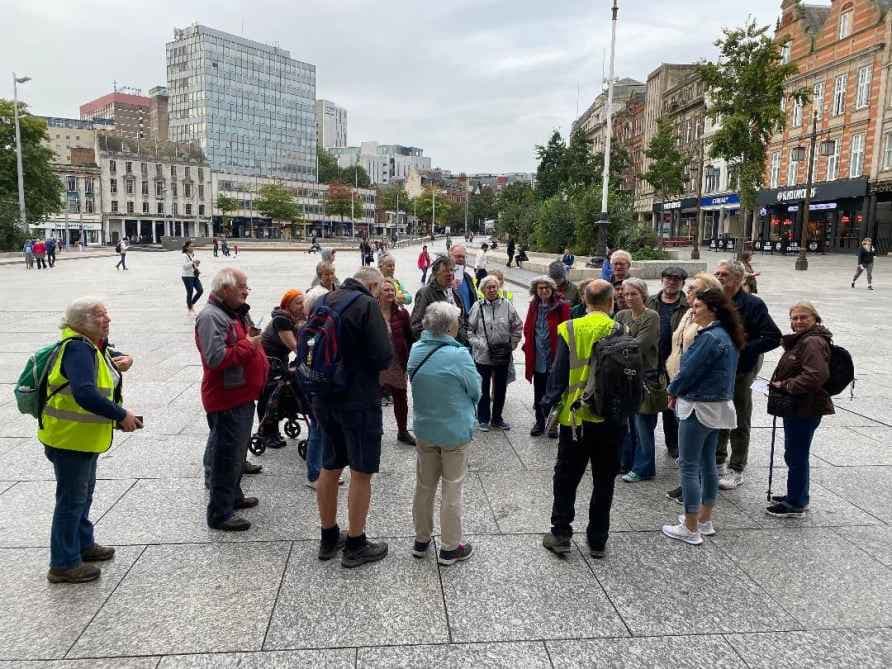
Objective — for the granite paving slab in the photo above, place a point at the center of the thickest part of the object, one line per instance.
(189, 598)
(876, 541)
(9, 443)
(866, 487)
(28, 461)
(855, 449)
(392, 602)
(506, 655)
(147, 455)
(92, 663)
(670, 652)
(531, 596)
(343, 658)
(855, 649)
(42, 620)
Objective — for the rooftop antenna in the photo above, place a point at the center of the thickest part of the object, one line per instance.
(578, 93)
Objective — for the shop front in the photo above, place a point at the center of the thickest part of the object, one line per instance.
(721, 216)
(836, 220)
(879, 227)
(676, 218)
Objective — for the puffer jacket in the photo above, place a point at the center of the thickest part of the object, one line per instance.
(804, 369)
(503, 326)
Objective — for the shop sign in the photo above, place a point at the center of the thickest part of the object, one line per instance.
(829, 191)
(672, 205)
(818, 206)
(794, 194)
(725, 201)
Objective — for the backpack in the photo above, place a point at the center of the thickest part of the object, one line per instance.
(615, 386)
(842, 371)
(30, 389)
(118, 247)
(320, 366)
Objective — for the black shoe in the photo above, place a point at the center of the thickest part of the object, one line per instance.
(538, 430)
(597, 553)
(553, 433)
(459, 554)
(784, 510)
(557, 545)
(246, 503)
(499, 425)
(328, 551)
(231, 524)
(405, 438)
(368, 552)
(675, 495)
(79, 574)
(97, 553)
(275, 441)
(250, 468)
(672, 454)
(419, 549)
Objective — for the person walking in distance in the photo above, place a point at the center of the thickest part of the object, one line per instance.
(28, 252)
(51, 251)
(122, 252)
(424, 263)
(509, 249)
(481, 262)
(234, 370)
(39, 249)
(762, 335)
(351, 421)
(866, 254)
(190, 273)
(216, 248)
(584, 437)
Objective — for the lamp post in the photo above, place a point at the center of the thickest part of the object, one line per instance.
(827, 148)
(16, 80)
(695, 250)
(603, 223)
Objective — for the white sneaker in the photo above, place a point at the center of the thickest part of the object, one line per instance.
(731, 481)
(706, 529)
(682, 533)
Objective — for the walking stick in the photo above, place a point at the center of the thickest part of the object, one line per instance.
(771, 462)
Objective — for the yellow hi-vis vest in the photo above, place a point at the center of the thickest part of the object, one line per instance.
(66, 424)
(580, 335)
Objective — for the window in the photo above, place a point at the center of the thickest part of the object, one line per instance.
(129, 186)
(188, 209)
(89, 205)
(862, 97)
(845, 23)
(113, 185)
(887, 152)
(200, 191)
(818, 97)
(785, 53)
(833, 161)
(797, 113)
(187, 189)
(201, 210)
(158, 172)
(160, 208)
(174, 208)
(159, 189)
(774, 178)
(114, 206)
(88, 184)
(713, 177)
(72, 184)
(200, 174)
(113, 166)
(145, 207)
(145, 187)
(856, 163)
(187, 172)
(839, 94)
(792, 168)
(144, 169)
(173, 171)
(173, 188)
(128, 167)
(129, 207)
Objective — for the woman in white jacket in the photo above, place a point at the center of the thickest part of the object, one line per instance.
(189, 274)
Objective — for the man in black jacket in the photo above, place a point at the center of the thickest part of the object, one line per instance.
(762, 335)
(439, 289)
(352, 422)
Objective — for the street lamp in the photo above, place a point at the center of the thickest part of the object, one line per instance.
(603, 223)
(798, 153)
(16, 80)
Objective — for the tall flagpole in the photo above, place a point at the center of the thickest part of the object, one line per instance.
(608, 130)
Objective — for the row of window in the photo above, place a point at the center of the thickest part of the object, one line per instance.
(844, 29)
(71, 183)
(160, 190)
(73, 203)
(144, 170)
(838, 102)
(856, 163)
(159, 208)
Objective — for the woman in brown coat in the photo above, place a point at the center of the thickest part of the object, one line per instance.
(802, 372)
(393, 379)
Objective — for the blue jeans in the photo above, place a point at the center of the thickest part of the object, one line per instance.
(194, 290)
(798, 433)
(629, 446)
(645, 459)
(315, 444)
(225, 454)
(72, 531)
(696, 449)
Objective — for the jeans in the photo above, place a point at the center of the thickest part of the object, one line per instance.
(193, 285)
(699, 475)
(499, 377)
(670, 431)
(41, 263)
(225, 456)
(424, 276)
(739, 436)
(540, 383)
(72, 531)
(315, 444)
(869, 269)
(51, 258)
(644, 463)
(432, 464)
(629, 445)
(600, 445)
(123, 261)
(798, 434)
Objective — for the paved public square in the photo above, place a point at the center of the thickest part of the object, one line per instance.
(762, 592)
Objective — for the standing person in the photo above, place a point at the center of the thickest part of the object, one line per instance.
(701, 395)
(39, 249)
(51, 251)
(364, 252)
(866, 254)
(28, 251)
(325, 276)
(480, 262)
(580, 310)
(122, 252)
(387, 266)
(762, 335)
(607, 268)
(802, 372)
(439, 289)
(393, 379)
(750, 283)
(465, 285)
(671, 305)
(448, 243)
(189, 273)
(567, 289)
(234, 369)
(644, 325)
(424, 263)
(235, 248)
(547, 310)
(510, 250)
(76, 427)
(216, 248)
(495, 331)
(568, 259)
(621, 263)
(352, 422)
(445, 392)
(584, 437)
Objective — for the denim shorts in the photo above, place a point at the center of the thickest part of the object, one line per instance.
(352, 437)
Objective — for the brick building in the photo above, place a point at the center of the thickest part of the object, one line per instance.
(628, 132)
(131, 114)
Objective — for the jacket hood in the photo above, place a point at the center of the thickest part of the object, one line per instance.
(790, 340)
(428, 337)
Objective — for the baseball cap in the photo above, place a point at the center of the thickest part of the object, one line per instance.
(675, 272)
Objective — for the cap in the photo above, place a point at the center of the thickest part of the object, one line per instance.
(675, 272)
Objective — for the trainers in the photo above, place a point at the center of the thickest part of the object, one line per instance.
(731, 481)
(500, 425)
(538, 430)
(783, 499)
(784, 510)
(79, 574)
(328, 551)
(557, 545)
(682, 533)
(97, 553)
(232, 524)
(706, 529)
(459, 554)
(419, 549)
(483, 427)
(368, 552)
(405, 438)
(632, 477)
(675, 495)
(597, 553)
(311, 484)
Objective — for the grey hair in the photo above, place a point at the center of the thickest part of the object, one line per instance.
(80, 315)
(538, 281)
(438, 263)
(439, 316)
(323, 265)
(385, 257)
(368, 276)
(225, 278)
(734, 267)
(488, 279)
(638, 284)
(312, 296)
(620, 254)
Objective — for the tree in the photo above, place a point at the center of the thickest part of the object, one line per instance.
(745, 88)
(386, 197)
(665, 173)
(620, 164)
(549, 174)
(355, 175)
(226, 204)
(482, 206)
(554, 228)
(43, 188)
(277, 203)
(339, 201)
(577, 168)
(424, 206)
(328, 166)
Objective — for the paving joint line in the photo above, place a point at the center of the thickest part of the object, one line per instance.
(272, 610)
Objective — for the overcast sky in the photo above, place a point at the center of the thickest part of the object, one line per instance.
(475, 83)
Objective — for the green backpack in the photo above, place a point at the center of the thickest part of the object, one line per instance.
(30, 389)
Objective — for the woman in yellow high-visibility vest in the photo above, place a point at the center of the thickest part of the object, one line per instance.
(82, 408)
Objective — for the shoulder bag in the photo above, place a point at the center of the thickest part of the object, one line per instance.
(499, 354)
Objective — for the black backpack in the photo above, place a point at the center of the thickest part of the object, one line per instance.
(842, 371)
(615, 387)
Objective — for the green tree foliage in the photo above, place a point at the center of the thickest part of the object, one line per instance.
(277, 202)
(555, 227)
(665, 173)
(386, 198)
(620, 162)
(339, 200)
(483, 206)
(43, 189)
(745, 88)
(329, 171)
(516, 212)
(578, 170)
(424, 206)
(226, 204)
(549, 173)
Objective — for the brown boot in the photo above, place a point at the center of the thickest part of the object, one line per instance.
(79, 574)
(97, 553)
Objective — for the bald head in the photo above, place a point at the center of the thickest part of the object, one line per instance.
(599, 296)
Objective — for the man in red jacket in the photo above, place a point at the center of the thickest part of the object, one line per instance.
(235, 369)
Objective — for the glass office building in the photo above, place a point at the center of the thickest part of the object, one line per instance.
(250, 106)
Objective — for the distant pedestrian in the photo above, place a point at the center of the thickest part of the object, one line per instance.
(481, 262)
(235, 248)
(190, 273)
(568, 259)
(866, 254)
(393, 379)
(510, 250)
(448, 243)
(121, 250)
(39, 249)
(216, 247)
(750, 279)
(28, 252)
(51, 251)
(621, 262)
(424, 263)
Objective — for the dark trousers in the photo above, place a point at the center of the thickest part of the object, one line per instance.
(400, 406)
(510, 258)
(499, 378)
(72, 531)
(123, 261)
(540, 382)
(798, 434)
(424, 276)
(225, 455)
(600, 445)
(194, 290)
(41, 263)
(271, 426)
(629, 444)
(51, 258)
(670, 431)
(739, 437)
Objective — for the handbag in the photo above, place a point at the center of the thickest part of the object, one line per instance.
(780, 402)
(499, 354)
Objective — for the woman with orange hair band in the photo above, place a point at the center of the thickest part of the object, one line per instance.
(279, 339)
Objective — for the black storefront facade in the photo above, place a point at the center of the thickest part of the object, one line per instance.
(675, 218)
(838, 215)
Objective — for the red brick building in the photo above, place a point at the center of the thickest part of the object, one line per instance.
(628, 132)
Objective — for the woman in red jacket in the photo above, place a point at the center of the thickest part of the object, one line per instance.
(393, 379)
(424, 264)
(547, 310)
